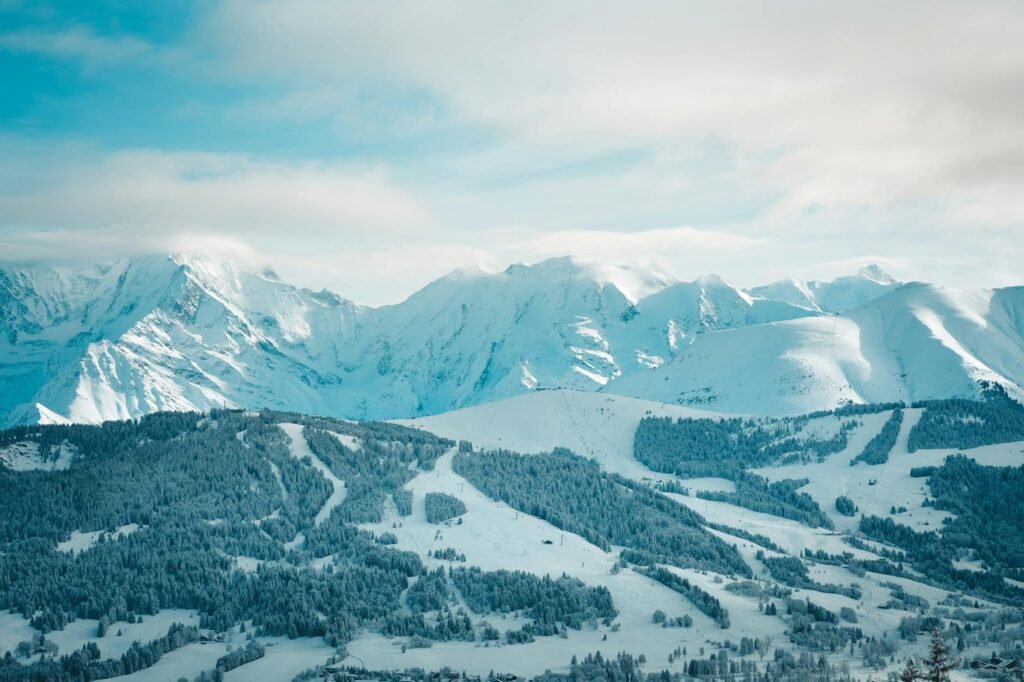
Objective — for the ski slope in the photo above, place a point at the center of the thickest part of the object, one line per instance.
(595, 425)
(495, 536)
(299, 449)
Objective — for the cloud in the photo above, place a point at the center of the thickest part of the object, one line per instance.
(76, 198)
(788, 134)
(386, 271)
(356, 230)
(79, 43)
(670, 244)
(825, 104)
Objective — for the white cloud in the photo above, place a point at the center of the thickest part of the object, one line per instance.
(828, 104)
(787, 134)
(670, 244)
(387, 272)
(356, 231)
(77, 198)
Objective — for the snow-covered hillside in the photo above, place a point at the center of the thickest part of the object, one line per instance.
(183, 333)
(153, 334)
(871, 591)
(917, 342)
(831, 297)
(595, 425)
(602, 427)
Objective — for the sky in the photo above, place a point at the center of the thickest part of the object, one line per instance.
(369, 147)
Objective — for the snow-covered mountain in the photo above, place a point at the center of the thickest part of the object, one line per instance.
(152, 334)
(174, 333)
(474, 336)
(919, 341)
(840, 294)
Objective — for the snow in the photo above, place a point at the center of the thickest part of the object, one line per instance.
(602, 427)
(299, 449)
(13, 629)
(593, 376)
(527, 380)
(350, 442)
(791, 536)
(193, 333)
(48, 416)
(495, 536)
(893, 486)
(249, 564)
(280, 483)
(592, 425)
(841, 294)
(25, 456)
(80, 542)
(285, 658)
(509, 349)
(75, 635)
(916, 342)
(187, 661)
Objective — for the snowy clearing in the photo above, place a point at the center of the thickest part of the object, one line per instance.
(80, 542)
(25, 456)
(593, 425)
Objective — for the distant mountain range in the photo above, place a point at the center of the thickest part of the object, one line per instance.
(177, 333)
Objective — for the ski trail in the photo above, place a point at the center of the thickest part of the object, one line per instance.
(299, 449)
(280, 482)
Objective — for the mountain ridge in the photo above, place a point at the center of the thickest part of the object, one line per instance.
(192, 333)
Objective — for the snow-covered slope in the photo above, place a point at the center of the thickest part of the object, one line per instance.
(165, 334)
(918, 341)
(841, 294)
(596, 425)
(710, 304)
(178, 333)
(181, 333)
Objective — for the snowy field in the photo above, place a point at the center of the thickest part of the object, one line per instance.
(875, 489)
(13, 629)
(495, 536)
(595, 425)
(285, 658)
(79, 541)
(187, 662)
(25, 456)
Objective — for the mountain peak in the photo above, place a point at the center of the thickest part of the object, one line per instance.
(712, 280)
(557, 265)
(875, 273)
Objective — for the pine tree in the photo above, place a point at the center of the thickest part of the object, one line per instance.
(911, 673)
(938, 662)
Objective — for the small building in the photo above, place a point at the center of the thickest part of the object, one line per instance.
(995, 666)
